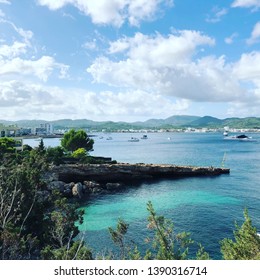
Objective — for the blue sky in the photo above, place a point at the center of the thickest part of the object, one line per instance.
(129, 60)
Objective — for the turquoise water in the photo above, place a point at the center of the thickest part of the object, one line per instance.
(205, 207)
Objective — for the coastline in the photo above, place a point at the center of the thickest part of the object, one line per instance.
(79, 180)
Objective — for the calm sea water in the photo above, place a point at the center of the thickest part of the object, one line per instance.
(205, 207)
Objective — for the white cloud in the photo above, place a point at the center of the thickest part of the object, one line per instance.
(160, 50)
(217, 14)
(30, 100)
(14, 50)
(229, 40)
(90, 45)
(40, 101)
(248, 67)
(255, 35)
(166, 65)
(41, 68)
(114, 12)
(246, 3)
(25, 35)
(15, 93)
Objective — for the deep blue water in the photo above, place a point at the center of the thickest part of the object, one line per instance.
(205, 207)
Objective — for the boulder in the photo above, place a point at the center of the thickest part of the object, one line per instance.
(68, 189)
(56, 185)
(113, 186)
(77, 190)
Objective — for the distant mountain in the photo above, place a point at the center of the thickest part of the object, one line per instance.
(179, 121)
(206, 121)
(251, 122)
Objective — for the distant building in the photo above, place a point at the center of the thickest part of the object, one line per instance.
(44, 129)
(8, 131)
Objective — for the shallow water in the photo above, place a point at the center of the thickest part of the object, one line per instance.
(205, 207)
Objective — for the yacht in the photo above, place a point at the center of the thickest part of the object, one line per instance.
(144, 137)
(242, 138)
(133, 139)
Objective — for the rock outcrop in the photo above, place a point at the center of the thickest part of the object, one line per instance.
(97, 178)
(123, 172)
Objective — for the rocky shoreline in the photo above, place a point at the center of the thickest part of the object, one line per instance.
(79, 180)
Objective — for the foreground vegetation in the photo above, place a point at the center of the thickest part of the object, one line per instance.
(38, 223)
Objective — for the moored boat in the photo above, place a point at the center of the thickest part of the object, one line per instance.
(242, 138)
(133, 139)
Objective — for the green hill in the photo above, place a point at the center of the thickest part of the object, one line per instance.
(180, 121)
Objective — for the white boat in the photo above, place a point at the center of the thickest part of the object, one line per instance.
(242, 138)
(144, 136)
(225, 133)
(133, 139)
(109, 138)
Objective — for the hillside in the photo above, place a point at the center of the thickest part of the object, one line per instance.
(180, 121)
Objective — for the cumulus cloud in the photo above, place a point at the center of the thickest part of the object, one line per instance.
(170, 66)
(255, 35)
(167, 65)
(246, 3)
(121, 104)
(12, 61)
(41, 68)
(10, 51)
(41, 101)
(248, 67)
(16, 93)
(114, 12)
(29, 99)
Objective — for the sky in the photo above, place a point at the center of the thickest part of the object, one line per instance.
(129, 60)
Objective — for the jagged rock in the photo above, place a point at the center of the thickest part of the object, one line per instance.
(68, 189)
(91, 184)
(50, 177)
(97, 190)
(113, 186)
(77, 190)
(56, 185)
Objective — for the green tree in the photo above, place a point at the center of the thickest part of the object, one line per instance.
(74, 140)
(55, 155)
(32, 222)
(80, 153)
(7, 145)
(167, 244)
(246, 245)
(118, 237)
(75, 251)
(164, 244)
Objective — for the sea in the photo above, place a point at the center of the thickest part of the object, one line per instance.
(206, 207)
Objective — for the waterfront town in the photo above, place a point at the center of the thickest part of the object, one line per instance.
(47, 130)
